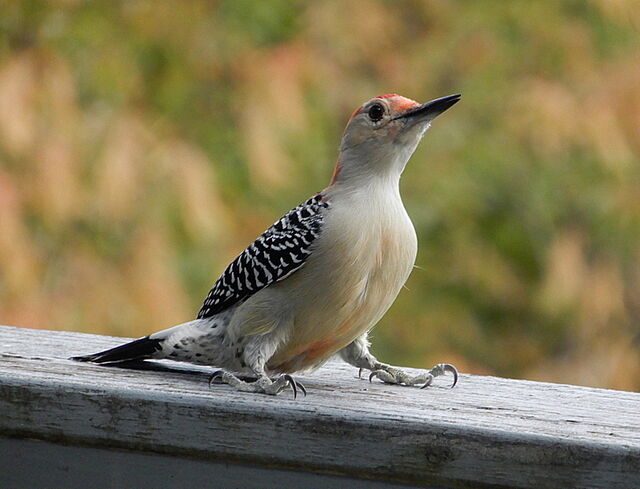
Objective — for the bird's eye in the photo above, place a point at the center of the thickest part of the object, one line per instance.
(376, 112)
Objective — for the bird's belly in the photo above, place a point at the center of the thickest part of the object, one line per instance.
(363, 286)
(317, 334)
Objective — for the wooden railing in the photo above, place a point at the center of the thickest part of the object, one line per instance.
(73, 425)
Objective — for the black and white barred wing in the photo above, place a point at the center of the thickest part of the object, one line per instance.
(277, 253)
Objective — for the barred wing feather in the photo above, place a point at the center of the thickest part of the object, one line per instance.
(277, 253)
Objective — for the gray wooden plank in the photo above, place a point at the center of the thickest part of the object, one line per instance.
(487, 432)
(36, 464)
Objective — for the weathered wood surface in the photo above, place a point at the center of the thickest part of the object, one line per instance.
(487, 432)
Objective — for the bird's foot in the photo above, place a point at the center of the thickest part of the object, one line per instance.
(263, 385)
(394, 375)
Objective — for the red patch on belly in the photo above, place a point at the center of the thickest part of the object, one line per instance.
(307, 357)
(318, 350)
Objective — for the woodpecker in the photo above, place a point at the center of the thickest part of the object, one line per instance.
(314, 284)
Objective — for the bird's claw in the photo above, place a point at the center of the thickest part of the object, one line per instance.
(262, 385)
(295, 385)
(428, 381)
(441, 369)
(392, 375)
(215, 376)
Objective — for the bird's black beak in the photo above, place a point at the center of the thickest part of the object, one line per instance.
(431, 110)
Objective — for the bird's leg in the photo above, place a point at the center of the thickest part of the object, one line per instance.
(263, 384)
(254, 354)
(394, 375)
(357, 354)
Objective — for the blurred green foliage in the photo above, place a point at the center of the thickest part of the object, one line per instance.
(143, 144)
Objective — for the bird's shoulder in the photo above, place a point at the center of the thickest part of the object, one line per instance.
(277, 253)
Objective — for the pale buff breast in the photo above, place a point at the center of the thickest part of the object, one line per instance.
(367, 251)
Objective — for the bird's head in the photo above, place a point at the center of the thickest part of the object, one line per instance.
(383, 133)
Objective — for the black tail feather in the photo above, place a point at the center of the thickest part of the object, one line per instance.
(135, 350)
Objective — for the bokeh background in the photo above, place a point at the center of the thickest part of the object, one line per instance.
(144, 144)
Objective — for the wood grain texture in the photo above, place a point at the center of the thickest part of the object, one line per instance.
(487, 432)
(44, 465)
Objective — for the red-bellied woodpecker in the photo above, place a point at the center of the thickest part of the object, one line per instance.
(315, 283)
